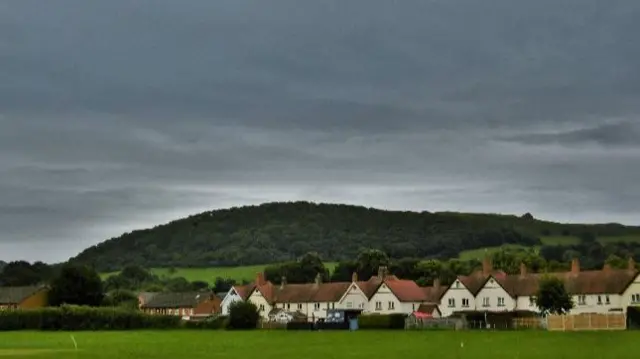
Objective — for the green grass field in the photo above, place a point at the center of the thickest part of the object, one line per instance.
(320, 345)
(210, 274)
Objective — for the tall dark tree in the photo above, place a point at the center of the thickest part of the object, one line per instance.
(77, 285)
(243, 315)
(222, 285)
(369, 261)
(552, 297)
(343, 271)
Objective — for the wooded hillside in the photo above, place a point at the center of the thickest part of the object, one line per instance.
(278, 232)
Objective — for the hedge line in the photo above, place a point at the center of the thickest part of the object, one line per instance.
(84, 318)
(381, 321)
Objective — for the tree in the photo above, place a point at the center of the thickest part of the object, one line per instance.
(552, 297)
(78, 285)
(243, 315)
(369, 261)
(22, 273)
(199, 285)
(222, 285)
(121, 298)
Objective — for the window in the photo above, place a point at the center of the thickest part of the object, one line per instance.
(500, 302)
(392, 305)
(485, 301)
(316, 306)
(607, 300)
(599, 300)
(327, 305)
(413, 307)
(349, 304)
(465, 303)
(582, 299)
(378, 305)
(635, 298)
(262, 307)
(452, 302)
(288, 305)
(333, 305)
(299, 306)
(457, 284)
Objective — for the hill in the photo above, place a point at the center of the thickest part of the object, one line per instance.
(278, 232)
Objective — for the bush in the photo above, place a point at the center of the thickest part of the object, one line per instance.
(84, 318)
(382, 321)
(243, 315)
(219, 322)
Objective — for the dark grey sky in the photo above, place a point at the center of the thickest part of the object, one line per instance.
(123, 114)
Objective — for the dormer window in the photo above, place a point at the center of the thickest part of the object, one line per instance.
(457, 284)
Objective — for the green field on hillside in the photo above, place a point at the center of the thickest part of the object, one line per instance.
(210, 274)
(319, 345)
(546, 240)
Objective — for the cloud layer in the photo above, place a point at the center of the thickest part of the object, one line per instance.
(124, 114)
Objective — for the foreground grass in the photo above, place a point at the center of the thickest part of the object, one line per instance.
(320, 345)
(210, 274)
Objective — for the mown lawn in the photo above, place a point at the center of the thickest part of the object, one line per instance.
(320, 345)
(209, 274)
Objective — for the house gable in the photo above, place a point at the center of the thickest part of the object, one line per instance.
(631, 295)
(493, 297)
(353, 297)
(456, 298)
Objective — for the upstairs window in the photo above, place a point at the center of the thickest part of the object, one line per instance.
(378, 305)
(582, 300)
(485, 301)
(500, 302)
(316, 306)
(452, 302)
(607, 300)
(299, 306)
(599, 300)
(392, 305)
(465, 303)
(635, 298)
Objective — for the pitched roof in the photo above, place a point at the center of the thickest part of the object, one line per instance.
(311, 292)
(585, 282)
(177, 300)
(210, 305)
(145, 297)
(244, 291)
(433, 294)
(405, 290)
(15, 295)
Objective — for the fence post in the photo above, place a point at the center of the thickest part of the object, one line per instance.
(590, 325)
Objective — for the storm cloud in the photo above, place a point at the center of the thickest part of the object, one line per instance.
(122, 114)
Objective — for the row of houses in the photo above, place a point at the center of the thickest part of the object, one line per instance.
(486, 290)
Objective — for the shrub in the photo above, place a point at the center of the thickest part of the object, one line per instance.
(382, 321)
(219, 322)
(243, 315)
(84, 318)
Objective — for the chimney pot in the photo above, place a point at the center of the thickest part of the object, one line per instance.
(631, 265)
(436, 283)
(260, 278)
(283, 282)
(318, 279)
(354, 277)
(575, 266)
(382, 272)
(606, 267)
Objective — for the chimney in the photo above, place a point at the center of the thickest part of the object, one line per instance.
(575, 266)
(436, 284)
(283, 282)
(318, 279)
(487, 267)
(606, 267)
(260, 278)
(631, 266)
(382, 272)
(523, 270)
(354, 277)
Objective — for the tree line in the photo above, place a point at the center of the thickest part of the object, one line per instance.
(281, 232)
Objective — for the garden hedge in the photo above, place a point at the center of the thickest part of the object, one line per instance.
(84, 318)
(381, 321)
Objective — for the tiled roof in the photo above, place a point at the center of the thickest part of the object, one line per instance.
(208, 306)
(584, 282)
(433, 294)
(145, 297)
(605, 281)
(405, 290)
(307, 293)
(15, 295)
(244, 291)
(177, 300)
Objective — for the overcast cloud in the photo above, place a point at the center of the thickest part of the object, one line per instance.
(121, 114)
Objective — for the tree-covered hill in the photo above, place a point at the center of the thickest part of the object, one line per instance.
(277, 232)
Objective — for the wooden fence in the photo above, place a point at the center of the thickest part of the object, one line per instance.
(587, 321)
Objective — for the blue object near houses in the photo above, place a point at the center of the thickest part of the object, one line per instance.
(353, 324)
